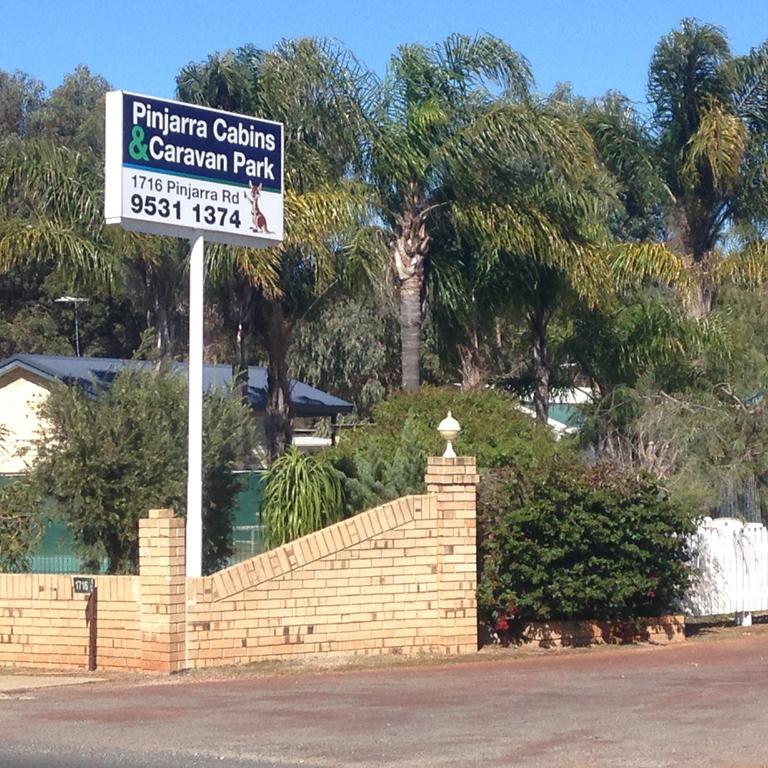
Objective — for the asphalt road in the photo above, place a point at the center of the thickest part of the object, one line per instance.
(702, 703)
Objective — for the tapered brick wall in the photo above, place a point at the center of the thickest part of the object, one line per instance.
(396, 579)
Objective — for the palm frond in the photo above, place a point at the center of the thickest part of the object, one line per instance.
(719, 143)
(222, 81)
(53, 180)
(52, 241)
(686, 71)
(747, 268)
(749, 79)
(522, 134)
(259, 268)
(635, 264)
(535, 236)
(323, 95)
(470, 61)
(301, 495)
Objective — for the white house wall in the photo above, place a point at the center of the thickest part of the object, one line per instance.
(21, 396)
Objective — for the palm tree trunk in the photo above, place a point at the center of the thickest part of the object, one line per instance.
(242, 341)
(698, 303)
(537, 321)
(684, 239)
(410, 331)
(279, 413)
(409, 249)
(472, 369)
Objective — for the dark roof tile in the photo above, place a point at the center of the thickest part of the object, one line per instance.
(88, 371)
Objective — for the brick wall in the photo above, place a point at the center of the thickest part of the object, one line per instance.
(396, 579)
(161, 572)
(43, 623)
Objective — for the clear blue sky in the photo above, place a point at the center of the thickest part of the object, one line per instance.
(140, 46)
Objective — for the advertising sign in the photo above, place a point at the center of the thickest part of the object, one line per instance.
(177, 169)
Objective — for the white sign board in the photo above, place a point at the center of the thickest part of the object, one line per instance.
(177, 169)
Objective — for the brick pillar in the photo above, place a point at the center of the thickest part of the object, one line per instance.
(454, 483)
(161, 571)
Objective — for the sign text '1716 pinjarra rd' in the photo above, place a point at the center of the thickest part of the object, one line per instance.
(178, 169)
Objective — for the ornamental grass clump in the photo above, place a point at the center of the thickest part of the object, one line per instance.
(302, 494)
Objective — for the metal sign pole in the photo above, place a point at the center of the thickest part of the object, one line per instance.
(195, 437)
(172, 168)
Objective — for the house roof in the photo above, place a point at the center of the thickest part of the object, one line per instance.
(90, 372)
(567, 413)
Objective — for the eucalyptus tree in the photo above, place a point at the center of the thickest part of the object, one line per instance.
(430, 96)
(710, 118)
(73, 113)
(350, 346)
(21, 96)
(20, 527)
(318, 90)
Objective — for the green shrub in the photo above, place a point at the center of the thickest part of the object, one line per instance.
(302, 493)
(109, 457)
(377, 471)
(388, 458)
(569, 541)
(20, 528)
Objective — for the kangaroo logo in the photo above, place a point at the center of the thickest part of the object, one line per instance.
(257, 217)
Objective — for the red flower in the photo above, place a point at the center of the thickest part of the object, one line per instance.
(502, 624)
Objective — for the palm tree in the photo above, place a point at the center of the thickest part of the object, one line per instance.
(710, 120)
(626, 149)
(536, 233)
(51, 217)
(318, 91)
(49, 208)
(152, 273)
(226, 81)
(429, 97)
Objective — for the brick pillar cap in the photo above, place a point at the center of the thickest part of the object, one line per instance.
(161, 514)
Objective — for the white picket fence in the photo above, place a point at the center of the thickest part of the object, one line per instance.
(731, 562)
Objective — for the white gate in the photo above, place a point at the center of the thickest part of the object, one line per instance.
(731, 562)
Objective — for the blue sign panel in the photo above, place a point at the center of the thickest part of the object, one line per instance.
(189, 141)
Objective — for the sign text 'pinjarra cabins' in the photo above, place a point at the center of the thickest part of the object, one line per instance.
(177, 169)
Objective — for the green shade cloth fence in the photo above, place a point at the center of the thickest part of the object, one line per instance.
(56, 551)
